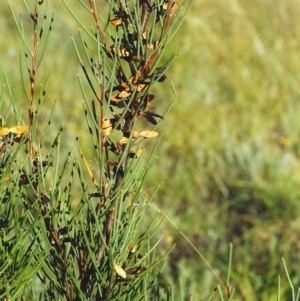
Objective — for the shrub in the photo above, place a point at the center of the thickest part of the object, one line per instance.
(71, 229)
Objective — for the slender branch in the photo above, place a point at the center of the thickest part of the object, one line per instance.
(119, 177)
(145, 14)
(33, 66)
(32, 150)
(96, 18)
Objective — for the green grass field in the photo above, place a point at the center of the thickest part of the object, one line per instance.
(228, 162)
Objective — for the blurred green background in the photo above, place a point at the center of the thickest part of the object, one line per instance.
(228, 161)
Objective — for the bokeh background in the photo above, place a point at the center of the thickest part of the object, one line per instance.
(228, 162)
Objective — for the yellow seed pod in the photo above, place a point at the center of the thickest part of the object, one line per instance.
(139, 152)
(19, 129)
(135, 134)
(120, 271)
(107, 127)
(124, 94)
(124, 140)
(134, 248)
(148, 134)
(4, 131)
(116, 22)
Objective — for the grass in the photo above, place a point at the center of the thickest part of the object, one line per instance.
(229, 154)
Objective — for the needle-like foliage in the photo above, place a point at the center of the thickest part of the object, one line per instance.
(70, 231)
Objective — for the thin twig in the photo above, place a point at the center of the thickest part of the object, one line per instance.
(145, 14)
(96, 18)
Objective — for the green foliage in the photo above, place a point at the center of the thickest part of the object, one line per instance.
(69, 231)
